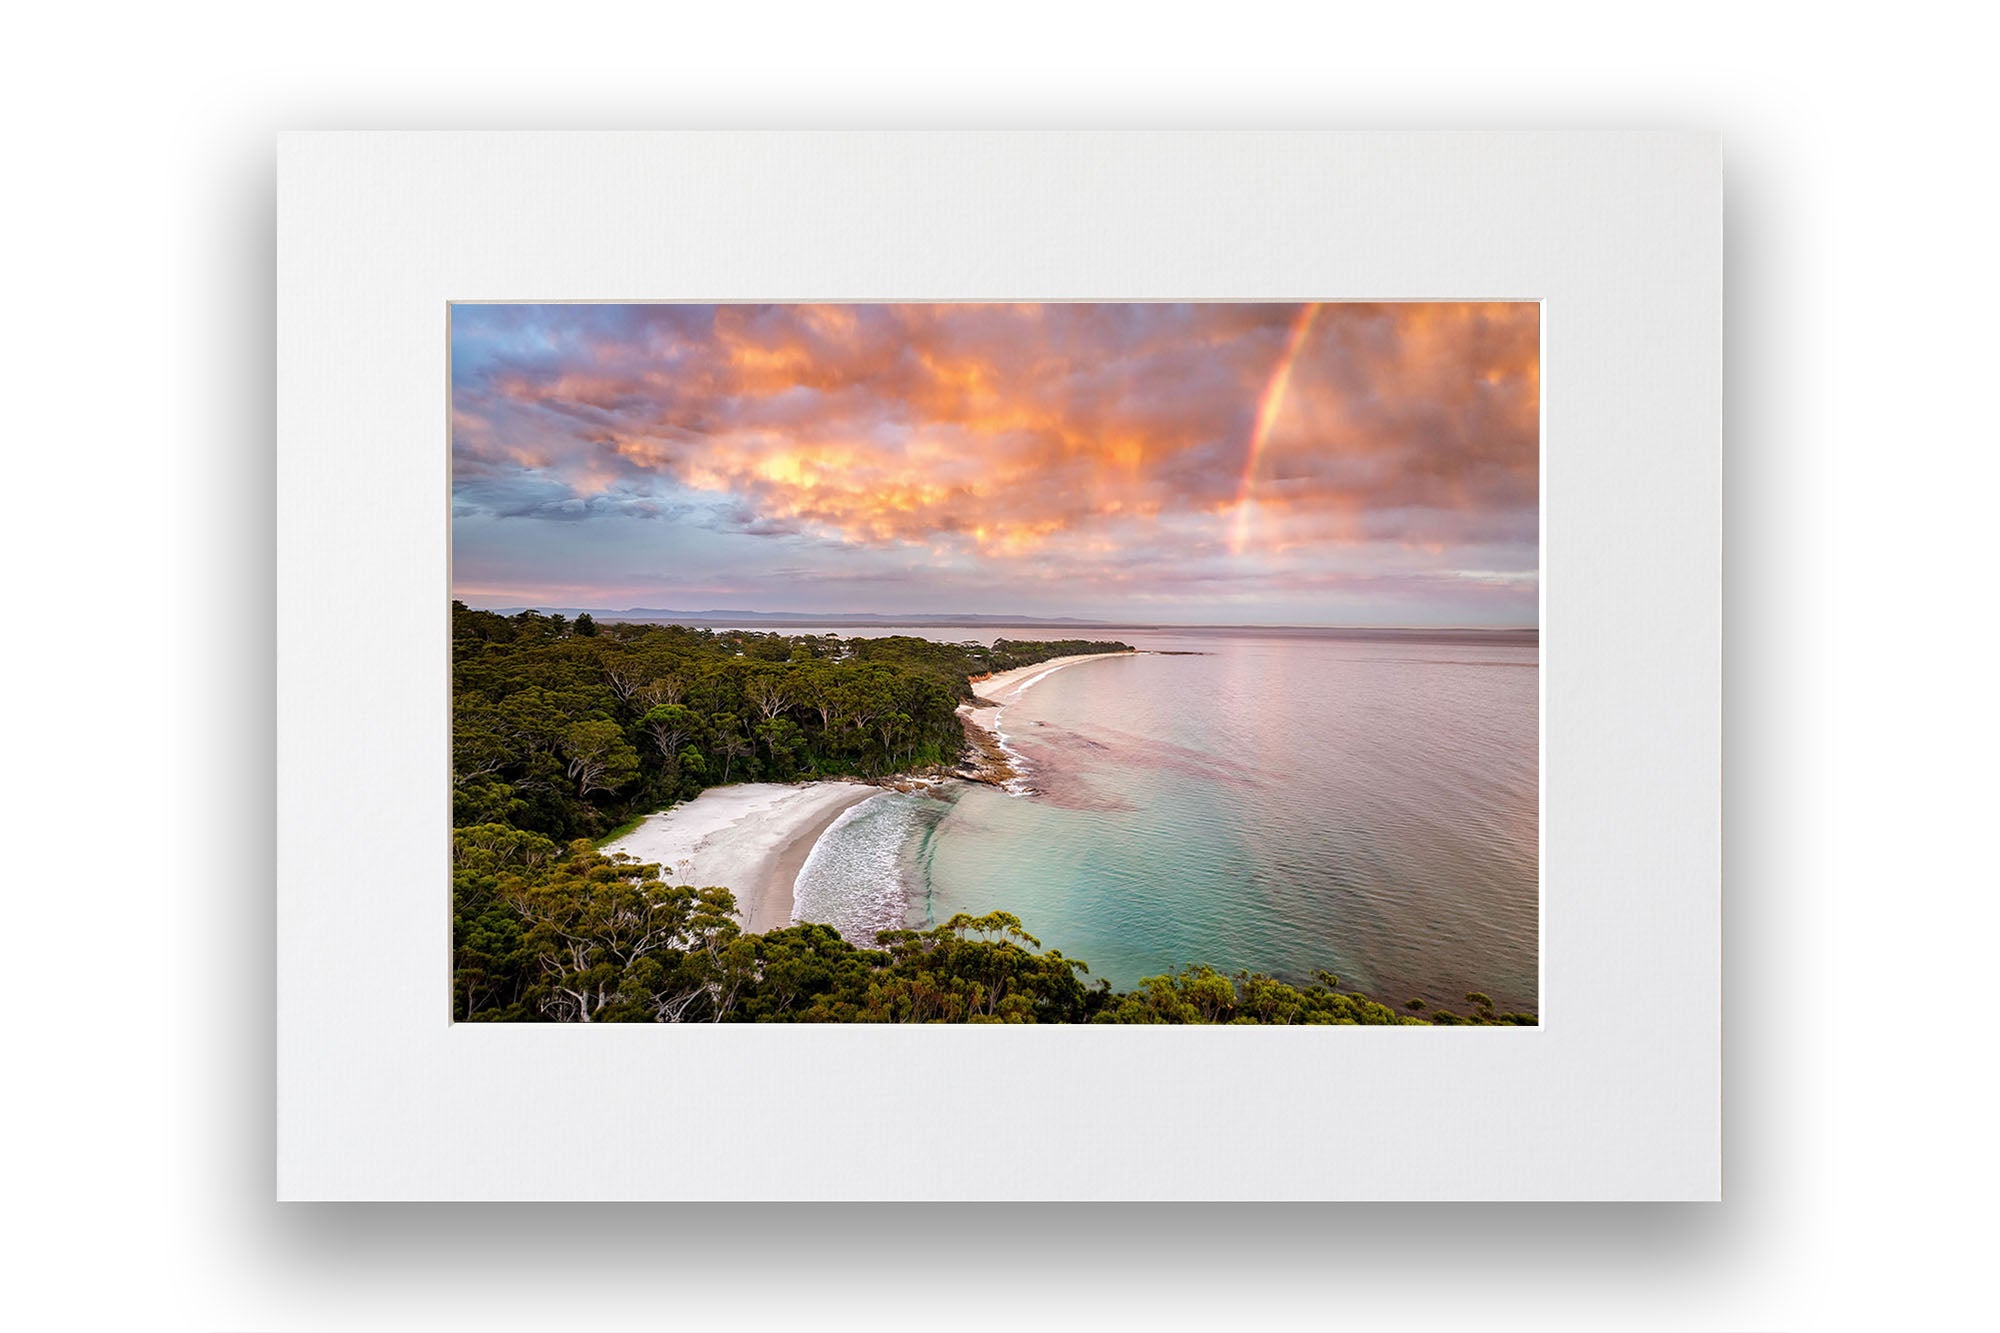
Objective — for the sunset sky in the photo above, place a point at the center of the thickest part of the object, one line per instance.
(1325, 464)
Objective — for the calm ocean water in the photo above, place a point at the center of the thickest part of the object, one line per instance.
(1282, 802)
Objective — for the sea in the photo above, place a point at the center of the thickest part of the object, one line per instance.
(1282, 801)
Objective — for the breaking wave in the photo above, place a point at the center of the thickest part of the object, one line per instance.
(864, 873)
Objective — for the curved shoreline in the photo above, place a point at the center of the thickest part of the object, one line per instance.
(751, 838)
(993, 761)
(780, 900)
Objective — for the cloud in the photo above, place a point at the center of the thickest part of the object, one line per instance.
(1087, 437)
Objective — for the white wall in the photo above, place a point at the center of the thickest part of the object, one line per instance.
(138, 551)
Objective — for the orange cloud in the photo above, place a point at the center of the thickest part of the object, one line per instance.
(1012, 431)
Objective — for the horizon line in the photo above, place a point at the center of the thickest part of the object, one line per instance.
(971, 619)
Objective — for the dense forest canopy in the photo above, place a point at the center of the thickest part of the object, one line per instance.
(569, 728)
(562, 730)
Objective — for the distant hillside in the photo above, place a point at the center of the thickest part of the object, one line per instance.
(784, 618)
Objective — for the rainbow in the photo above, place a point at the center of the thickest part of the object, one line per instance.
(1267, 416)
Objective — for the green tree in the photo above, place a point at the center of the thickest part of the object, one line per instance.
(599, 757)
(729, 741)
(490, 960)
(671, 727)
(782, 741)
(612, 943)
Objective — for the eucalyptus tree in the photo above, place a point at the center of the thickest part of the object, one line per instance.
(593, 920)
(671, 727)
(599, 757)
(770, 692)
(729, 741)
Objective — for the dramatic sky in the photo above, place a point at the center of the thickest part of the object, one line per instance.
(1221, 464)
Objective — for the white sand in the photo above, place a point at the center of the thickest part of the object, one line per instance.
(751, 839)
(754, 837)
(1003, 688)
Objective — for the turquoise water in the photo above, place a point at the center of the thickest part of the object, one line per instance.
(1282, 802)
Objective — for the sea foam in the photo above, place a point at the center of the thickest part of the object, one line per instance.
(858, 878)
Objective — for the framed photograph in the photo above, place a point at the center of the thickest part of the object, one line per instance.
(999, 666)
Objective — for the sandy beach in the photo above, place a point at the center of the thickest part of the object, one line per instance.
(750, 838)
(753, 838)
(992, 762)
